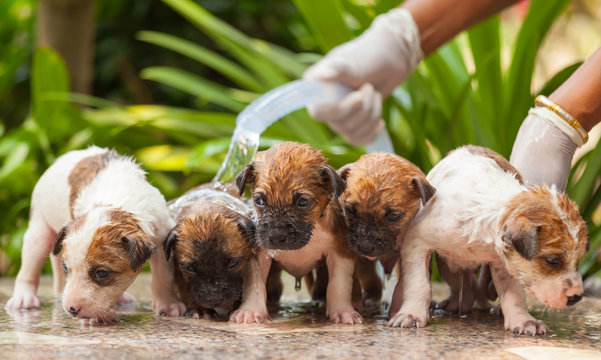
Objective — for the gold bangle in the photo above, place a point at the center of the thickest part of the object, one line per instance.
(543, 101)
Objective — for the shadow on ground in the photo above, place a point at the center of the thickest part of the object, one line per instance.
(298, 330)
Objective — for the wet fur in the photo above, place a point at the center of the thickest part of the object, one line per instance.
(532, 239)
(209, 249)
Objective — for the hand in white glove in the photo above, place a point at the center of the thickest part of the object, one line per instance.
(544, 147)
(382, 56)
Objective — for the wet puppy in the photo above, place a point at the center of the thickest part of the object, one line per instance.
(210, 249)
(532, 239)
(115, 220)
(383, 194)
(295, 194)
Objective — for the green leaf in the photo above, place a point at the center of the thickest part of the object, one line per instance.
(193, 85)
(205, 56)
(325, 18)
(487, 99)
(518, 98)
(49, 75)
(220, 31)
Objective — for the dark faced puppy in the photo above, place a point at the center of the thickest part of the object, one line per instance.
(210, 249)
(383, 194)
(292, 187)
(300, 223)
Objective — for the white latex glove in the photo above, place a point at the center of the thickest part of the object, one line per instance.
(544, 147)
(382, 56)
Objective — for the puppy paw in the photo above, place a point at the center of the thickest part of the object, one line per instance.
(526, 325)
(126, 299)
(344, 317)
(23, 300)
(172, 307)
(405, 320)
(249, 316)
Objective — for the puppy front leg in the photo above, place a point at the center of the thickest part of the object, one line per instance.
(339, 308)
(254, 295)
(416, 289)
(37, 244)
(164, 300)
(513, 304)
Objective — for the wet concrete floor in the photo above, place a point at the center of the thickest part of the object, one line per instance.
(297, 331)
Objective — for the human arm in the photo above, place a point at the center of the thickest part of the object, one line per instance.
(544, 146)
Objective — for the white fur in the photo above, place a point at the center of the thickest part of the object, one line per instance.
(121, 184)
(461, 223)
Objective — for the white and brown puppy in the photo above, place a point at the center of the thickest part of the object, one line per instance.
(300, 222)
(384, 192)
(532, 238)
(99, 209)
(211, 249)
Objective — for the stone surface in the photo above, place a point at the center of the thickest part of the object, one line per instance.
(298, 330)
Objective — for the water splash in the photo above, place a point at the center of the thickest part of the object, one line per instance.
(270, 107)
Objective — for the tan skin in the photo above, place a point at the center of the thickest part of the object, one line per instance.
(580, 95)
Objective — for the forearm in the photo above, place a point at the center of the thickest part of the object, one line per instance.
(580, 95)
(440, 20)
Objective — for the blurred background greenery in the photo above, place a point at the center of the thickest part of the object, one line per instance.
(163, 81)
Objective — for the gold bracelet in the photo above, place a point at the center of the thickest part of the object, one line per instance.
(543, 101)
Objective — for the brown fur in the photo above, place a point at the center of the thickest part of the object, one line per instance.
(85, 171)
(198, 222)
(378, 185)
(208, 231)
(380, 182)
(529, 218)
(121, 243)
(500, 160)
(279, 172)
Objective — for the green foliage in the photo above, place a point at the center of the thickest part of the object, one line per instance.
(441, 106)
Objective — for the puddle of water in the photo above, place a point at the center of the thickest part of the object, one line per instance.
(554, 353)
(296, 324)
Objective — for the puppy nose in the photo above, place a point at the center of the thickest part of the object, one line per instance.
(574, 299)
(73, 311)
(365, 247)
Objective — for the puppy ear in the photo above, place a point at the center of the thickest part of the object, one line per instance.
(247, 228)
(58, 243)
(345, 171)
(524, 239)
(139, 248)
(330, 176)
(169, 243)
(423, 188)
(246, 176)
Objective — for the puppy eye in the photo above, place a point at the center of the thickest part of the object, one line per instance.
(553, 261)
(101, 274)
(65, 268)
(303, 202)
(394, 217)
(350, 210)
(190, 269)
(259, 200)
(233, 264)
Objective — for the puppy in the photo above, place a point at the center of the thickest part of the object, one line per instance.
(211, 249)
(295, 194)
(532, 238)
(115, 220)
(384, 192)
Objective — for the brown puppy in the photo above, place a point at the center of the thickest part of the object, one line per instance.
(211, 249)
(295, 194)
(383, 194)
